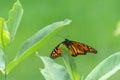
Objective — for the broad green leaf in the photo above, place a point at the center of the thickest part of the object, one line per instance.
(4, 34)
(53, 71)
(2, 61)
(70, 64)
(34, 42)
(15, 15)
(106, 68)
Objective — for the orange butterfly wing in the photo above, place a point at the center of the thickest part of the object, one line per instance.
(56, 52)
(82, 48)
(76, 48)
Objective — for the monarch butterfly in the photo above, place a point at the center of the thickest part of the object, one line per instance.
(75, 48)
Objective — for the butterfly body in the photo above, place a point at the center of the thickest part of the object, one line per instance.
(75, 48)
(67, 43)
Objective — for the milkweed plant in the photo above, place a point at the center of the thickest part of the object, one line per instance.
(52, 70)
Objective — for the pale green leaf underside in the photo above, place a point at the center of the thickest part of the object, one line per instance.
(2, 61)
(34, 42)
(106, 68)
(53, 71)
(15, 15)
(40, 36)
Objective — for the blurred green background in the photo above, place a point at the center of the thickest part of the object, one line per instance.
(94, 22)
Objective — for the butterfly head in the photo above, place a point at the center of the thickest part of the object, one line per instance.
(67, 43)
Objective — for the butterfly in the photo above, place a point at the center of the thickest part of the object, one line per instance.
(74, 48)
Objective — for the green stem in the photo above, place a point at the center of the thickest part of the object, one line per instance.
(5, 69)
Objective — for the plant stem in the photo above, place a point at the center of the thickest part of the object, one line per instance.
(5, 68)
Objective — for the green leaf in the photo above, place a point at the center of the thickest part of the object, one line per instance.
(15, 15)
(4, 34)
(70, 64)
(2, 61)
(53, 71)
(106, 68)
(35, 42)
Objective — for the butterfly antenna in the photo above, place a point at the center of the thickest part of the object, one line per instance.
(63, 36)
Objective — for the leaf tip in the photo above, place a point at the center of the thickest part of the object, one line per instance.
(67, 21)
